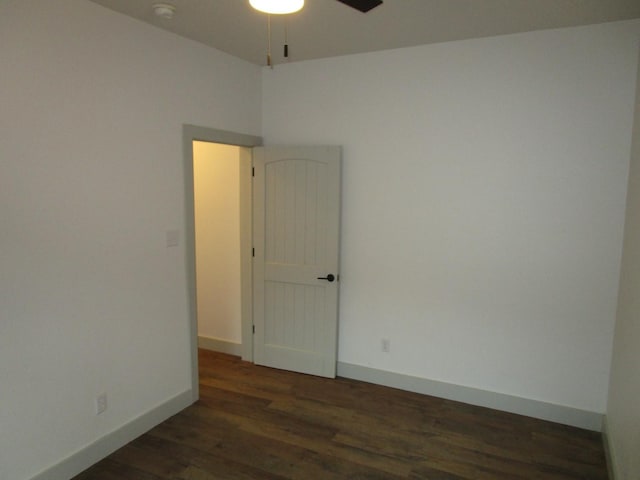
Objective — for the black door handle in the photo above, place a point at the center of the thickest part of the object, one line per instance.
(330, 278)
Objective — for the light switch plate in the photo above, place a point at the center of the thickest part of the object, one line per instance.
(173, 238)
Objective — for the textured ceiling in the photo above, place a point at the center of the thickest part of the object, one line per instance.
(327, 28)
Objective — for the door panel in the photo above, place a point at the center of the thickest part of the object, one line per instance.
(296, 240)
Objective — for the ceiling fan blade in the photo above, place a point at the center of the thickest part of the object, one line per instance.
(362, 5)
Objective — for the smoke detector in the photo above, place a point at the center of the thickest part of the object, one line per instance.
(164, 10)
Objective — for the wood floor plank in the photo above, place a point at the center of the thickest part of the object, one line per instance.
(254, 422)
(110, 469)
(172, 460)
(267, 454)
(308, 433)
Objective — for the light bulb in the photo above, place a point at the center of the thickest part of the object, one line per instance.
(277, 7)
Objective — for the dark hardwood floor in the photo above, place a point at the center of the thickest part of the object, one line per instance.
(258, 423)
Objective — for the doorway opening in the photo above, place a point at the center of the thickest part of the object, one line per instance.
(216, 185)
(193, 138)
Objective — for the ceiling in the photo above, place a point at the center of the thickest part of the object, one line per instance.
(327, 28)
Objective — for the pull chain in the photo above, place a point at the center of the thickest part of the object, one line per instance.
(286, 41)
(269, 41)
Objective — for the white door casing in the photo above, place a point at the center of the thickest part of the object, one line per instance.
(296, 225)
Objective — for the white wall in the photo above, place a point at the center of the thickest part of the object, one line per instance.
(623, 409)
(216, 172)
(91, 179)
(484, 192)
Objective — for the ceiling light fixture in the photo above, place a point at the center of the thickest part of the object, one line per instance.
(277, 7)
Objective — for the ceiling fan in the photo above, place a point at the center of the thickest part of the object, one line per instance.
(283, 7)
(363, 5)
(291, 6)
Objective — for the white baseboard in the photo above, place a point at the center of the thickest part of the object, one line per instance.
(498, 401)
(106, 445)
(608, 449)
(219, 345)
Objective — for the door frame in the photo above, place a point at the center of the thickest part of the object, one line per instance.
(191, 133)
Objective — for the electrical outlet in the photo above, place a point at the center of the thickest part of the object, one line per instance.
(386, 345)
(101, 403)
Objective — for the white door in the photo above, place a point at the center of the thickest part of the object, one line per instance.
(296, 225)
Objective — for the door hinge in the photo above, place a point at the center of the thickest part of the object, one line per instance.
(253, 252)
(253, 329)
(253, 171)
